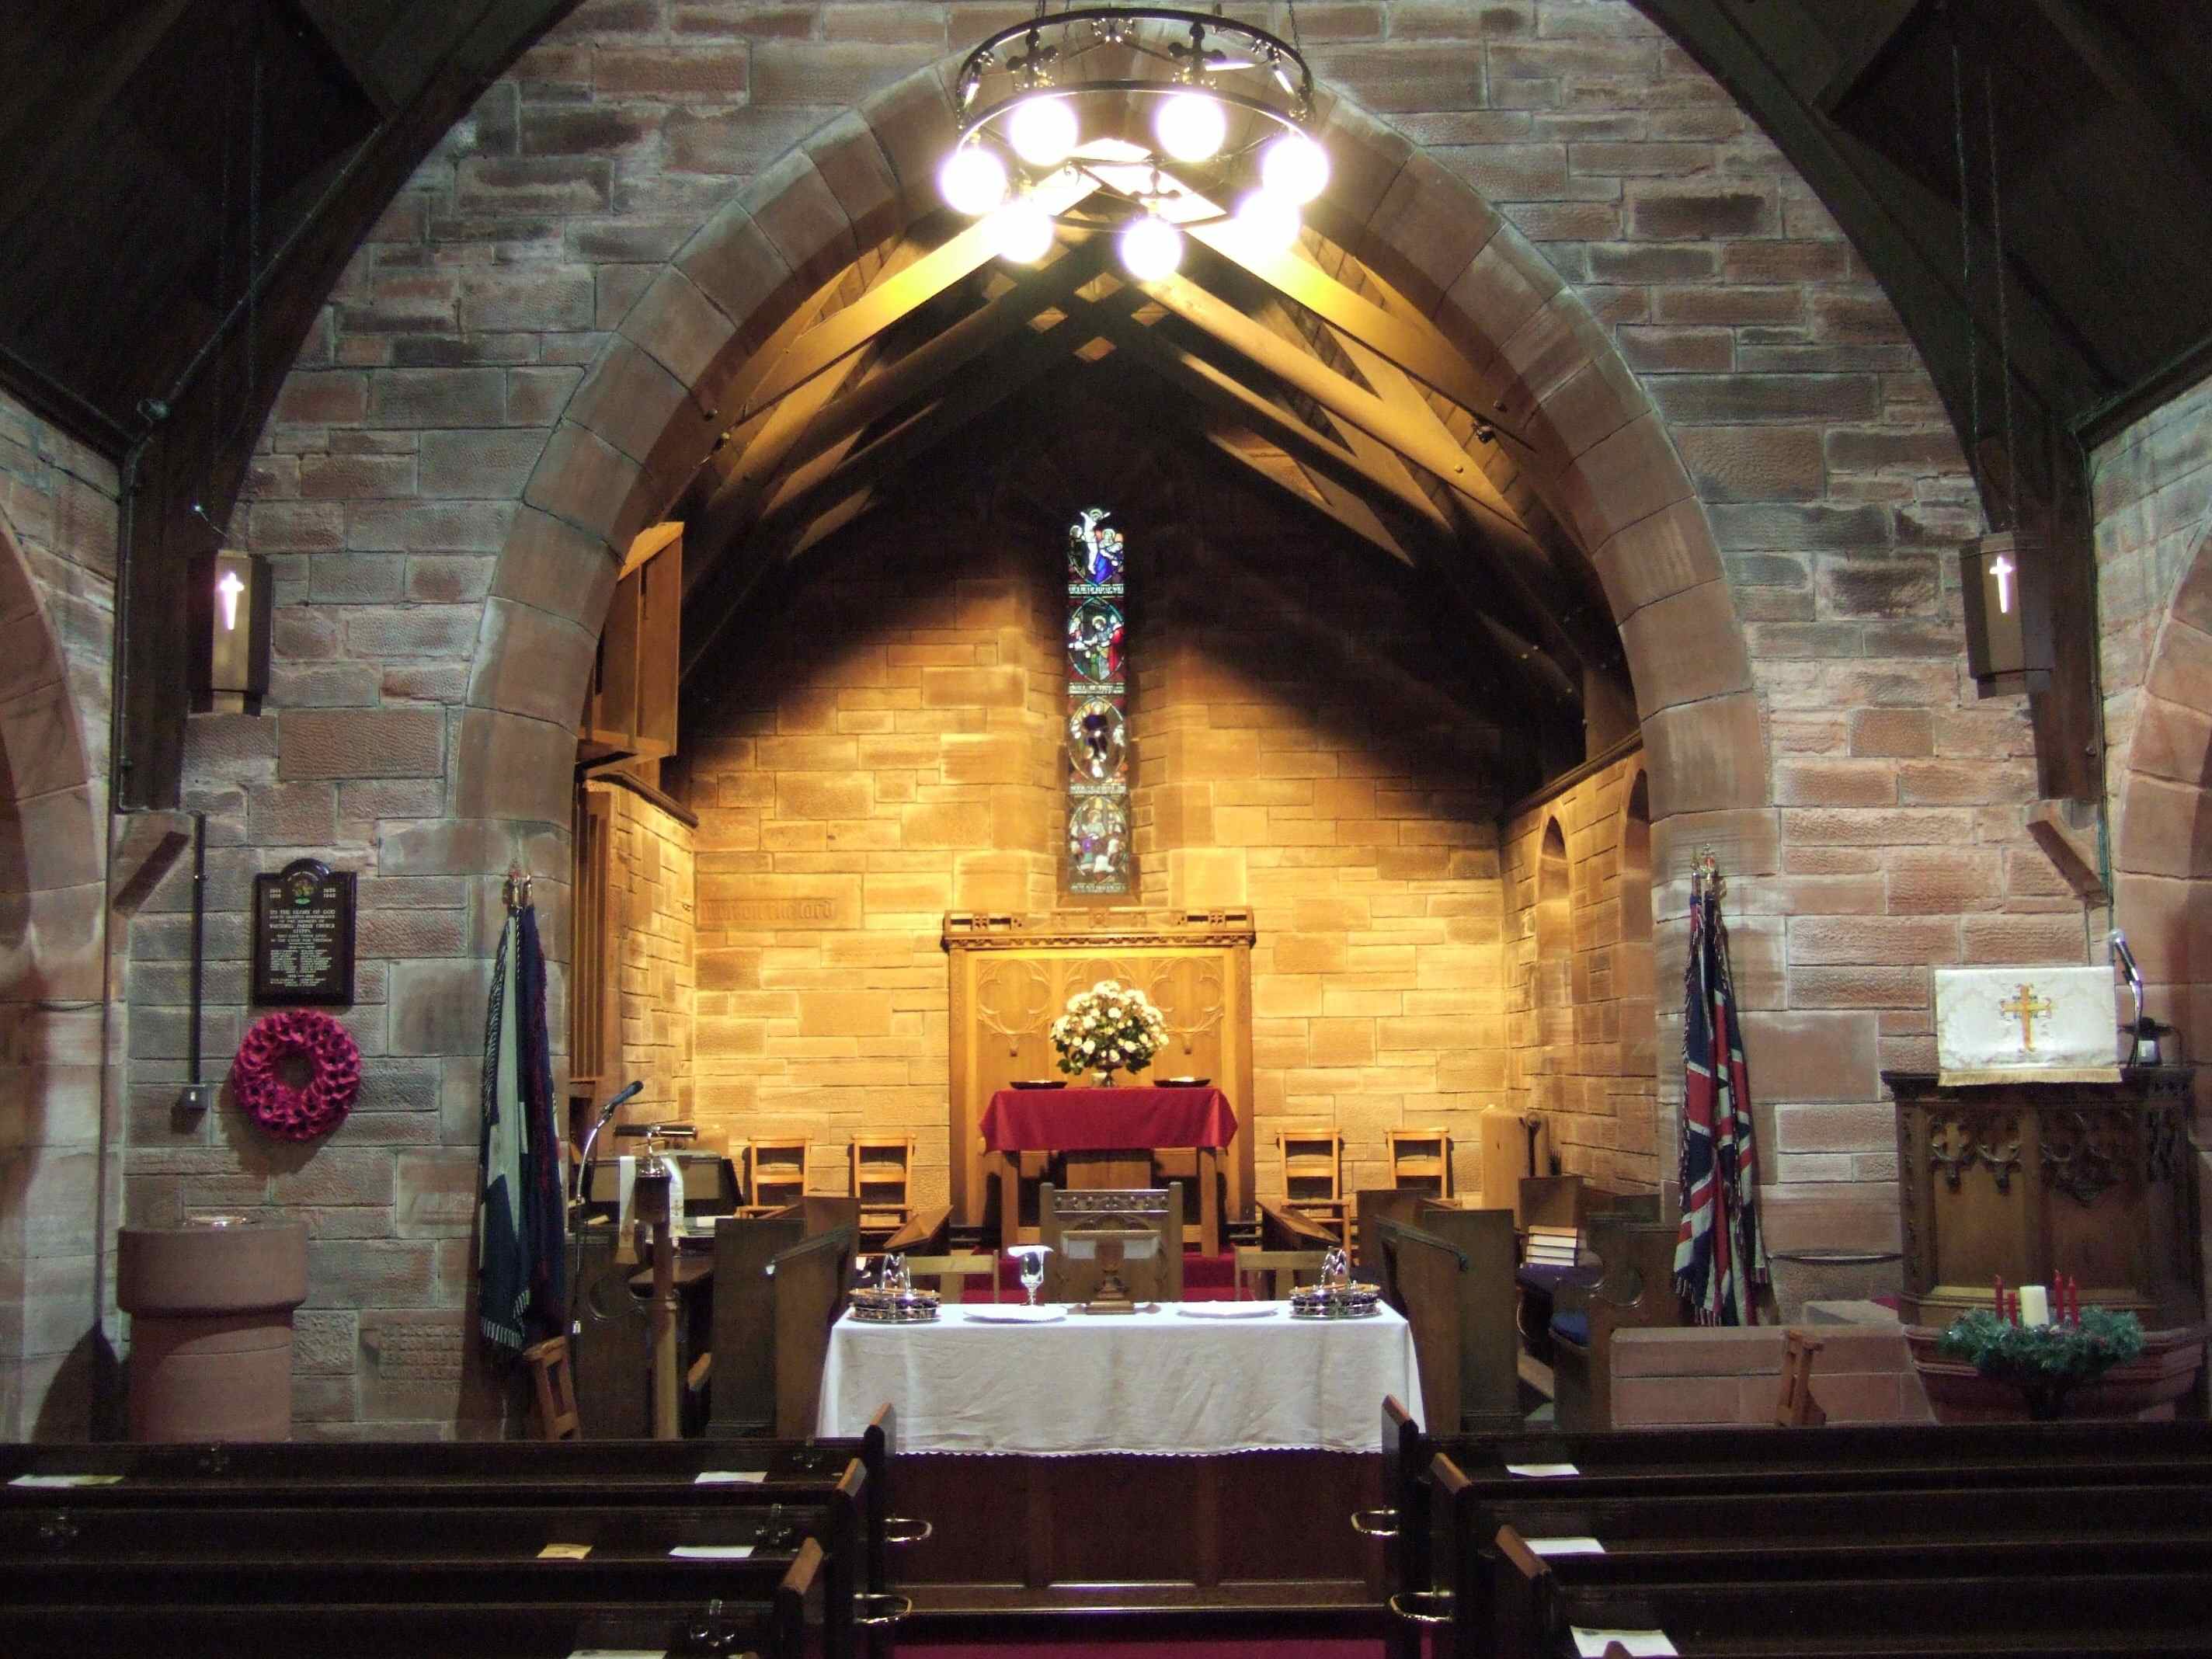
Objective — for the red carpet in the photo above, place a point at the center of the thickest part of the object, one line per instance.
(1204, 1278)
(1149, 1649)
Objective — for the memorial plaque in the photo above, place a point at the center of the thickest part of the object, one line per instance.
(303, 934)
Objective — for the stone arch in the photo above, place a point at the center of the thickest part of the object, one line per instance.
(644, 417)
(52, 934)
(2162, 835)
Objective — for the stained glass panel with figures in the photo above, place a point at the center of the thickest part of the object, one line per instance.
(1097, 851)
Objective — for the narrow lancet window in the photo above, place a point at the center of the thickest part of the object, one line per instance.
(1097, 708)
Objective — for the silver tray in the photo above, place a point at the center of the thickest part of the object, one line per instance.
(1351, 1302)
(894, 1307)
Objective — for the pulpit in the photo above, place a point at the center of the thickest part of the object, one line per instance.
(2026, 1180)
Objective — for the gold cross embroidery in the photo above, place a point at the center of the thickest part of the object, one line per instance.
(2027, 1008)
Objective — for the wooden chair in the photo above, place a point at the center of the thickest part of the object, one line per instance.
(1794, 1408)
(1637, 1290)
(554, 1381)
(1420, 1161)
(1159, 1279)
(1273, 1273)
(881, 1166)
(775, 1172)
(948, 1275)
(1313, 1177)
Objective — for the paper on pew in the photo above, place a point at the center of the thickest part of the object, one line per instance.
(1639, 1643)
(619, 1653)
(1564, 1546)
(726, 1552)
(564, 1553)
(65, 1480)
(1542, 1471)
(729, 1477)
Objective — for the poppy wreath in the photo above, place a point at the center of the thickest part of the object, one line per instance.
(315, 1108)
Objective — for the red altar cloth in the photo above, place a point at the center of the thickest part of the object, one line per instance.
(1106, 1120)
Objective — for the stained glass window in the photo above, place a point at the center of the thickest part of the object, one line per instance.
(1097, 708)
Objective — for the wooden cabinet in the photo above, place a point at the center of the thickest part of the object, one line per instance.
(2026, 1180)
(630, 710)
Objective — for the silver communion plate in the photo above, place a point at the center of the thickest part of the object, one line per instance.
(872, 1307)
(1344, 1302)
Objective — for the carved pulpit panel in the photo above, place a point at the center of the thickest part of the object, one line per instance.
(2024, 1180)
(1012, 977)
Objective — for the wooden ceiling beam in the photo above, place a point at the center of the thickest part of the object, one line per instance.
(843, 332)
(1413, 343)
(1347, 509)
(1277, 425)
(62, 122)
(1008, 372)
(1299, 369)
(2134, 79)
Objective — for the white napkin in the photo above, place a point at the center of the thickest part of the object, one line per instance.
(1542, 1471)
(1563, 1546)
(729, 1477)
(726, 1552)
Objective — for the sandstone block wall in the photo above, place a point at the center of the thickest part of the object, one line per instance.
(392, 477)
(651, 919)
(1582, 1019)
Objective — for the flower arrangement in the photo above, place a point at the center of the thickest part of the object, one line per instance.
(1108, 1028)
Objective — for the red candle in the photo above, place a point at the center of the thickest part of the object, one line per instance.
(2013, 1311)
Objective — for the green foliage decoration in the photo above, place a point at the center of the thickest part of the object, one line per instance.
(2042, 1355)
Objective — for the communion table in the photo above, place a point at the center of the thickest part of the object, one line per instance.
(1107, 1138)
(1161, 1459)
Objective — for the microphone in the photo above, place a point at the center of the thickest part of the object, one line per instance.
(584, 1162)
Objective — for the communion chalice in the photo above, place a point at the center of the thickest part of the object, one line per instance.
(1031, 1259)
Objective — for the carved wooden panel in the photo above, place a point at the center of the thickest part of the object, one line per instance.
(2023, 1181)
(1011, 976)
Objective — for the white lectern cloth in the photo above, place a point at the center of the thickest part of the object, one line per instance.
(1151, 1382)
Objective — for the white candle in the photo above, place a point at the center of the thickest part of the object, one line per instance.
(2035, 1305)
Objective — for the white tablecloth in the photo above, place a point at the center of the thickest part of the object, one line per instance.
(1155, 1382)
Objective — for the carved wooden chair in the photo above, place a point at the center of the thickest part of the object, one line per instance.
(1313, 1178)
(1421, 1161)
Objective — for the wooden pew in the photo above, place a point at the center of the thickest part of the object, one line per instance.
(775, 1629)
(926, 1232)
(1451, 1275)
(1637, 1290)
(1286, 1230)
(442, 1557)
(1855, 1470)
(1902, 1534)
(772, 1322)
(556, 1478)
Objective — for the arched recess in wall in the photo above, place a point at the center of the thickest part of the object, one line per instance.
(52, 912)
(639, 425)
(1633, 966)
(2162, 844)
(1551, 989)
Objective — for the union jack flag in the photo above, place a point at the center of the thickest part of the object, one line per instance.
(1720, 1262)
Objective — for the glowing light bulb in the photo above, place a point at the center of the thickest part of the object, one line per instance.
(1268, 219)
(1150, 248)
(1021, 232)
(972, 181)
(1044, 131)
(1295, 168)
(1191, 127)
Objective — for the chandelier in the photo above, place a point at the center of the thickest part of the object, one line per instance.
(1142, 118)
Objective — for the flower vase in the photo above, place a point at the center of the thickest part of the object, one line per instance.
(1106, 1078)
